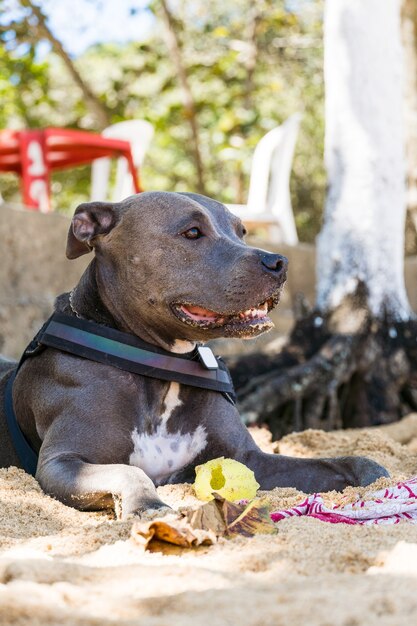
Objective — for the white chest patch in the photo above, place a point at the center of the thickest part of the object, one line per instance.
(161, 453)
(181, 346)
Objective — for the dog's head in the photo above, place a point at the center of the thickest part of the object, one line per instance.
(177, 265)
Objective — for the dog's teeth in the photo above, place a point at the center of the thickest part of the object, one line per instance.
(253, 313)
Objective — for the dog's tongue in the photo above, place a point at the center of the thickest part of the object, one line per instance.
(199, 312)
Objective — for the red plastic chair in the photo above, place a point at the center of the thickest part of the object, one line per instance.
(33, 154)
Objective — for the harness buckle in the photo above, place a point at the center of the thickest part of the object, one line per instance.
(207, 358)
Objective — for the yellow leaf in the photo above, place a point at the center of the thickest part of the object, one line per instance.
(227, 477)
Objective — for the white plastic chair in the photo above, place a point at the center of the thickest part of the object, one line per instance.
(269, 200)
(139, 133)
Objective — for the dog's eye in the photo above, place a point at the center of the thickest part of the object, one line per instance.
(193, 233)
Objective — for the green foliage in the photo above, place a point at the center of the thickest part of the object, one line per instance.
(249, 65)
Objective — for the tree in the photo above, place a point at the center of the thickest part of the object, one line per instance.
(31, 28)
(353, 360)
(362, 239)
(248, 67)
(409, 32)
(175, 49)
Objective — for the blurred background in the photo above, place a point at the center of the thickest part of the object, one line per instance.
(242, 68)
(213, 82)
(212, 78)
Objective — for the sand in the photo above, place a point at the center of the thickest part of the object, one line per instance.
(60, 566)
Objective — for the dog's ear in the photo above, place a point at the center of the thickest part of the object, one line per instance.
(90, 220)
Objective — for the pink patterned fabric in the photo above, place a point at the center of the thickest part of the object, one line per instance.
(386, 506)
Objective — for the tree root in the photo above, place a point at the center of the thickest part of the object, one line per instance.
(340, 371)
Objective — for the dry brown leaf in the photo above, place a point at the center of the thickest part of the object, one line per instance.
(229, 518)
(201, 526)
(173, 529)
(253, 520)
(208, 516)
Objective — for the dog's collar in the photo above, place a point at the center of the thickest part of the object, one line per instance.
(72, 306)
(127, 352)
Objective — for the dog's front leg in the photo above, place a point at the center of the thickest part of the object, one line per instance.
(311, 475)
(89, 486)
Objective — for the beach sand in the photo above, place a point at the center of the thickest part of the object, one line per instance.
(61, 566)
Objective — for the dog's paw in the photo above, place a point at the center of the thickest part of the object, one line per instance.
(365, 471)
(346, 471)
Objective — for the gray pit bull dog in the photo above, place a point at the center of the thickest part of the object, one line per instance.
(172, 269)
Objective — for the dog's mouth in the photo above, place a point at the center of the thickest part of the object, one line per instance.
(256, 317)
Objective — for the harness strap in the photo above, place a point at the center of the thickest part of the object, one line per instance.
(27, 455)
(127, 352)
(112, 347)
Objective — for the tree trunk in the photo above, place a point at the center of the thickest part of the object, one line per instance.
(409, 36)
(352, 361)
(363, 233)
(97, 108)
(175, 49)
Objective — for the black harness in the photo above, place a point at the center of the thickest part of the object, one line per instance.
(92, 341)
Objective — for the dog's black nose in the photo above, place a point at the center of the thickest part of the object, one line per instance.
(275, 263)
